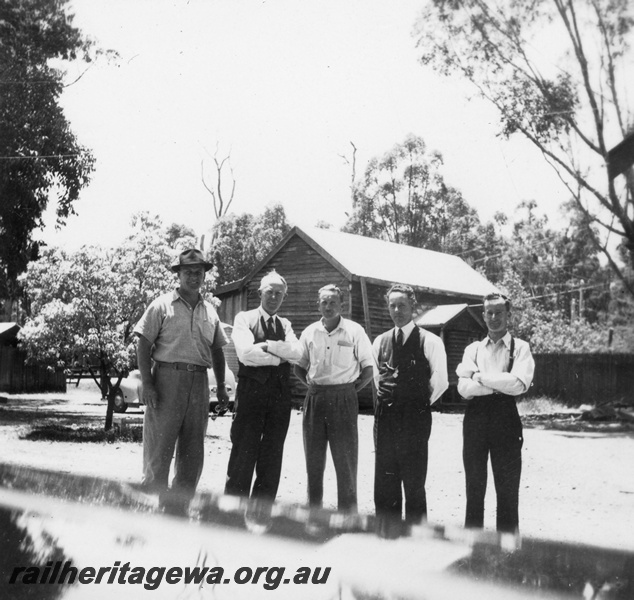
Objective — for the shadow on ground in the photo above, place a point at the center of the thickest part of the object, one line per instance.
(32, 416)
(576, 423)
(54, 432)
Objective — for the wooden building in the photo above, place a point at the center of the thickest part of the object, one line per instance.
(16, 375)
(364, 268)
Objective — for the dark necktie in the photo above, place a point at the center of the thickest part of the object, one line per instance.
(271, 334)
(399, 339)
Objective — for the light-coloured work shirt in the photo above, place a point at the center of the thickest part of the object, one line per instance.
(180, 333)
(491, 360)
(434, 351)
(250, 354)
(336, 357)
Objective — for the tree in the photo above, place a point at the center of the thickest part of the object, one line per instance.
(40, 157)
(221, 198)
(84, 304)
(77, 316)
(142, 263)
(241, 241)
(403, 198)
(563, 299)
(559, 270)
(572, 106)
(548, 329)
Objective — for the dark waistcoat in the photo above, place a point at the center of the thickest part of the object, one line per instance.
(269, 373)
(404, 373)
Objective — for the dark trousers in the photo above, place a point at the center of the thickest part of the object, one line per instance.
(258, 432)
(330, 417)
(492, 426)
(401, 433)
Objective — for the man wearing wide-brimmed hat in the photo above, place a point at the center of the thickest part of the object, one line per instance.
(180, 333)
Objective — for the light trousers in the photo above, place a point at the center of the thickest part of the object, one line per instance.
(178, 424)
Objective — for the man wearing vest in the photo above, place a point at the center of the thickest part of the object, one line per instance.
(412, 366)
(336, 363)
(493, 372)
(265, 345)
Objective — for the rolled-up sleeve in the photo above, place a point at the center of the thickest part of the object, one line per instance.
(365, 355)
(244, 342)
(437, 357)
(289, 349)
(521, 376)
(492, 380)
(376, 350)
(468, 388)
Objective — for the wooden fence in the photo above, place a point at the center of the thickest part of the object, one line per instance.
(584, 378)
(17, 377)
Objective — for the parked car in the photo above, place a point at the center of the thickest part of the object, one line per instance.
(130, 392)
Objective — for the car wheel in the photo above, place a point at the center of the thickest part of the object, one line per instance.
(214, 408)
(120, 405)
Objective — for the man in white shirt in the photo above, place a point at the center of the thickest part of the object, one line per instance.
(266, 345)
(493, 372)
(336, 363)
(412, 366)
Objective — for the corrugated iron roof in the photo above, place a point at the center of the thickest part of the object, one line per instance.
(390, 262)
(8, 331)
(440, 315)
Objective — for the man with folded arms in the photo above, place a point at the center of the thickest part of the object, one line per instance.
(493, 372)
(181, 333)
(336, 363)
(265, 344)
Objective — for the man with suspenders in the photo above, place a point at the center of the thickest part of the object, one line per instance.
(493, 372)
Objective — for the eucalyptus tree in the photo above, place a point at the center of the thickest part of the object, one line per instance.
(404, 198)
(558, 73)
(241, 241)
(41, 160)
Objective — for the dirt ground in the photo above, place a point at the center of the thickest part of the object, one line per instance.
(576, 487)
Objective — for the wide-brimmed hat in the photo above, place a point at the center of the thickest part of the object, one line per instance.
(191, 257)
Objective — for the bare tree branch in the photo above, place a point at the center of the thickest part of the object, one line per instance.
(221, 203)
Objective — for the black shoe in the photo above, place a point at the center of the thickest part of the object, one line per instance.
(175, 503)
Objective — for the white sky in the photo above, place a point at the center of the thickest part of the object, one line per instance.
(284, 86)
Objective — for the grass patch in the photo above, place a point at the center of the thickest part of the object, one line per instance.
(546, 413)
(545, 406)
(54, 432)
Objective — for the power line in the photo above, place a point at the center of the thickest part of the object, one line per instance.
(39, 156)
(585, 287)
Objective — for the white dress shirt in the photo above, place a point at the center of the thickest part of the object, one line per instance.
(434, 351)
(336, 357)
(491, 360)
(251, 354)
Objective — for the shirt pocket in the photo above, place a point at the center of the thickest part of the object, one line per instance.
(208, 331)
(343, 356)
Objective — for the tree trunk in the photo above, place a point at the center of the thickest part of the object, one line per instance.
(106, 392)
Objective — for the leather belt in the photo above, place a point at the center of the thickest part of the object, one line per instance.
(181, 366)
(335, 386)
